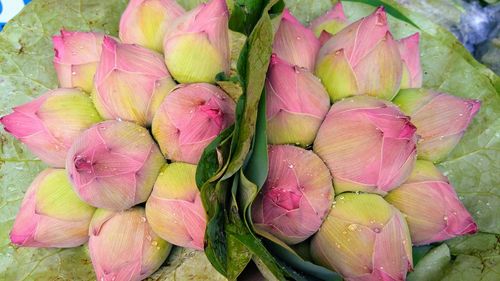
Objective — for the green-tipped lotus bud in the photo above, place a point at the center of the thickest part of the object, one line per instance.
(49, 124)
(51, 214)
(296, 104)
(174, 209)
(441, 120)
(432, 208)
(197, 45)
(145, 22)
(123, 246)
(364, 238)
(296, 196)
(114, 165)
(361, 59)
(330, 23)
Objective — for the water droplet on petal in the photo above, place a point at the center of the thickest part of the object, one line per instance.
(143, 219)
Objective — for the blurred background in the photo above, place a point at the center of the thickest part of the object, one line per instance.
(476, 23)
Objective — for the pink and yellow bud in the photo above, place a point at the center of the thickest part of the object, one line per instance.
(330, 23)
(123, 246)
(441, 120)
(51, 214)
(190, 118)
(431, 207)
(295, 43)
(197, 45)
(410, 55)
(145, 22)
(368, 144)
(296, 196)
(296, 104)
(364, 238)
(361, 59)
(49, 124)
(174, 209)
(130, 83)
(114, 165)
(77, 55)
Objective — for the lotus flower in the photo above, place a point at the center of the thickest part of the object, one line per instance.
(190, 118)
(123, 246)
(431, 206)
(441, 120)
(330, 23)
(76, 58)
(295, 43)
(368, 144)
(296, 104)
(197, 46)
(364, 238)
(114, 165)
(130, 83)
(361, 59)
(49, 124)
(51, 214)
(296, 196)
(175, 210)
(145, 22)
(410, 55)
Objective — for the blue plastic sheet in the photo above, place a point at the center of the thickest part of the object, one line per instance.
(10, 8)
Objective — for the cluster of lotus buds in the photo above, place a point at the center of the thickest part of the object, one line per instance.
(354, 141)
(108, 132)
(352, 94)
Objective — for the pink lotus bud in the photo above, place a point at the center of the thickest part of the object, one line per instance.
(362, 58)
(296, 196)
(76, 58)
(295, 43)
(175, 210)
(114, 165)
(197, 46)
(410, 55)
(123, 246)
(51, 214)
(49, 124)
(441, 120)
(330, 23)
(364, 238)
(296, 104)
(131, 82)
(432, 208)
(368, 144)
(190, 118)
(145, 22)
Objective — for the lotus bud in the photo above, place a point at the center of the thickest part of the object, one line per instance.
(174, 209)
(295, 43)
(51, 214)
(368, 144)
(76, 58)
(197, 46)
(441, 120)
(190, 118)
(330, 23)
(145, 22)
(442, 216)
(296, 104)
(38, 124)
(410, 55)
(296, 196)
(361, 59)
(364, 238)
(123, 246)
(114, 165)
(130, 83)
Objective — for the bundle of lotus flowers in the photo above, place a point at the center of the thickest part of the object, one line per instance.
(352, 142)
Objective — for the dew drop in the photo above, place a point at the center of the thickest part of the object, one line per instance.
(341, 197)
(290, 166)
(73, 73)
(376, 230)
(298, 38)
(148, 237)
(461, 114)
(445, 218)
(157, 248)
(154, 243)
(119, 119)
(381, 268)
(143, 219)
